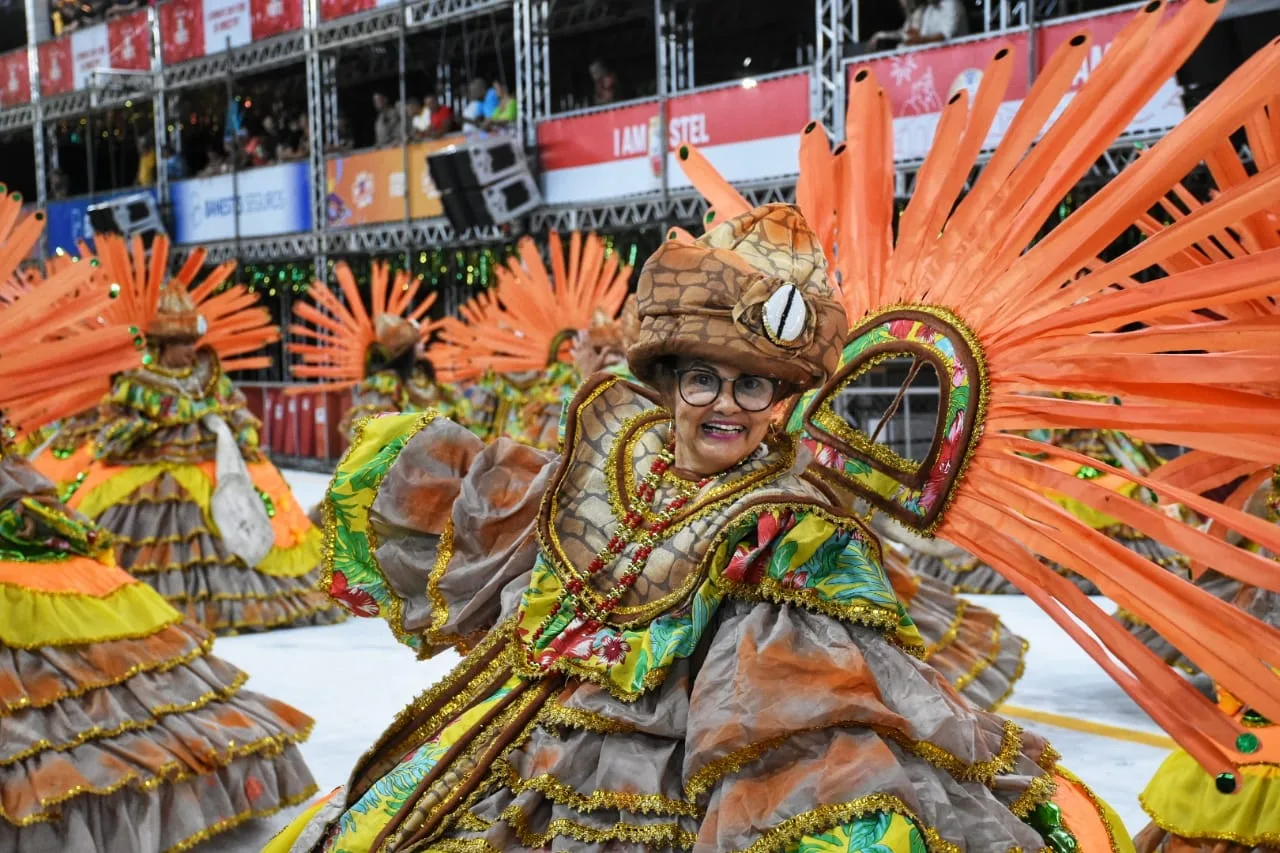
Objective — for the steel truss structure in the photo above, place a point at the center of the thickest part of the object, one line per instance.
(530, 25)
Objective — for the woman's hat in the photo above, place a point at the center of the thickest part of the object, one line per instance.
(752, 292)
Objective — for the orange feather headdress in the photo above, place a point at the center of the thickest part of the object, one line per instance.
(530, 318)
(346, 335)
(59, 344)
(235, 325)
(1010, 318)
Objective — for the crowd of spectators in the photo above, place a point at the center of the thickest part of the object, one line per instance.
(69, 15)
(486, 107)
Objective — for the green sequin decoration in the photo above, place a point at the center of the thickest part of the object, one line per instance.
(114, 291)
(1253, 719)
(1088, 472)
(1046, 819)
(62, 453)
(72, 487)
(1247, 743)
(1225, 783)
(147, 359)
(269, 504)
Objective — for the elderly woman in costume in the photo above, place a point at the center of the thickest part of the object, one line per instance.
(676, 639)
(119, 729)
(179, 479)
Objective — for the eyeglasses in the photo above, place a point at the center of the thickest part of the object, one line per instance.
(701, 387)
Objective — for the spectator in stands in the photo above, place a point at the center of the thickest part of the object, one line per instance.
(441, 116)
(269, 140)
(507, 110)
(419, 118)
(929, 22)
(175, 166)
(217, 163)
(146, 162)
(473, 114)
(297, 145)
(386, 127)
(605, 81)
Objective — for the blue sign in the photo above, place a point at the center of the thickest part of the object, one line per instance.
(272, 200)
(68, 221)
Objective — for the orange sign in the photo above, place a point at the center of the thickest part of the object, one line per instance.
(370, 187)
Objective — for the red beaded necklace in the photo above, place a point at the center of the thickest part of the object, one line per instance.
(631, 529)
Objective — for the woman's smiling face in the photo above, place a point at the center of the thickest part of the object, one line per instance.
(716, 432)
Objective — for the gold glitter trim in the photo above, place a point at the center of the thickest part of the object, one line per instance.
(749, 592)
(168, 772)
(1098, 807)
(949, 636)
(558, 792)
(983, 772)
(457, 685)
(330, 522)
(469, 821)
(983, 385)
(1018, 672)
(462, 845)
(156, 714)
(983, 663)
(1040, 790)
(232, 822)
(122, 539)
(434, 633)
(827, 817)
(202, 648)
(715, 499)
(555, 715)
(652, 835)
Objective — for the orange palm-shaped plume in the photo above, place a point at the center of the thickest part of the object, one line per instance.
(238, 325)
(343, 333)
(527, 320)
(1046, 315)
(58, 345)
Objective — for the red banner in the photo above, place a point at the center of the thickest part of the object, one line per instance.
(273, 17)
(330, 9)
(129, 42)
(749, 130)
(919, 82)
(56, 73)
(15, 84)
(181, 31)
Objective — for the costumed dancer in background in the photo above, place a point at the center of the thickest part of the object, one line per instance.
(120, 730)
(523, 331)
(377, 352)
(196, 510)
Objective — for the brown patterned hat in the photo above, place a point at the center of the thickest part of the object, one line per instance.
(176, 317)
(752, 292)
(395, 334)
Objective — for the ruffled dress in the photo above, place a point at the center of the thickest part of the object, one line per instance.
(972, 649)
(759, 688)
(151, 485)
(529, 407)
(119, 730)
(386, 392)
(968, 574)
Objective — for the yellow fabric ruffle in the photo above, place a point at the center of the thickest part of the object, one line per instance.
(31, 619)
(293, 561)
(1183, 800)
(127, 479)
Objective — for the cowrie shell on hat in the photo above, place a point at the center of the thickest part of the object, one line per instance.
(786, 315)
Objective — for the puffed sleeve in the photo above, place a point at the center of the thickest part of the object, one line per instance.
(426, 526)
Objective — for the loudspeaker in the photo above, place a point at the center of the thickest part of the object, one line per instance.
(483, 183)
(127, 215)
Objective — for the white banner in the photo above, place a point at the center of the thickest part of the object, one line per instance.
(225, 19)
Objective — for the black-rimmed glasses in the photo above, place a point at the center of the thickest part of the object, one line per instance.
(701, 387)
